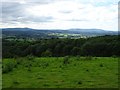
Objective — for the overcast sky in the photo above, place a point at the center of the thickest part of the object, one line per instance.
(60, 14)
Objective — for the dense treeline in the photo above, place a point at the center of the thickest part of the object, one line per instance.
(95, 46)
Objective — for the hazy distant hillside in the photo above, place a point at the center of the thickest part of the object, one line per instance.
(55, 33)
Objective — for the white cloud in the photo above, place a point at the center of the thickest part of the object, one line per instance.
(64, 14)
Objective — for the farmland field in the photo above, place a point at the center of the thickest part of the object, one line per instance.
(60, 72)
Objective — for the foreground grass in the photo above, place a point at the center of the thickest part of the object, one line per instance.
(62, 72)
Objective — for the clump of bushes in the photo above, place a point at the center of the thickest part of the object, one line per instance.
(66, 60)
(78, 57)
(95, 58)
(101, 65)
(46, 85)
(74, 64)
(88, 58)
(44, 64)
(8, 65)
(114, 56)
(19, 60)
(47, 53)
(15, 82)
(29, 69)
(79, 82)
(30, 57)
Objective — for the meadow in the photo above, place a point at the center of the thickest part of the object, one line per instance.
(60, 72)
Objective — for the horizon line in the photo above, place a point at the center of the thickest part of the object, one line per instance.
(59, 29)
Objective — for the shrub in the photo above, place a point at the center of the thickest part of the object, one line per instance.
(29, 69)
(80, 82)
(60, 66)
(46, 85)
(88, 58)
(46, 64)
(47, 53)
(15, 82)
(77, 58)
(5, 69)
(74, 64)
(95, 58)
(114, 56)
(8, 65)
(30, 57)
(19, 60)
(66, 60)
(101, 65)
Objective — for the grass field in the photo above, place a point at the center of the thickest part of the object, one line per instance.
(62, 72)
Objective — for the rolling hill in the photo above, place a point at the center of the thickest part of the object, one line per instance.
(54, 33)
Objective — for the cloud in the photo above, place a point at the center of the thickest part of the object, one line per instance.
(30, 1)
(38, 19)
(60, 14)
(12, 11)
(77, 20)
(66, 12)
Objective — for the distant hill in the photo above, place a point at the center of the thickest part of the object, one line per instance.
(47, 33)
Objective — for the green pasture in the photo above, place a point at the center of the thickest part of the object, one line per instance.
(60, 72)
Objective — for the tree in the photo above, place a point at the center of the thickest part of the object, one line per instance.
(66, 50)
(75, 51)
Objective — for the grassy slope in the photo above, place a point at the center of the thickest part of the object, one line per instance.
(51, 73)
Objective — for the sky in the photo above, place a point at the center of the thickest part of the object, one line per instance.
(60, 14)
